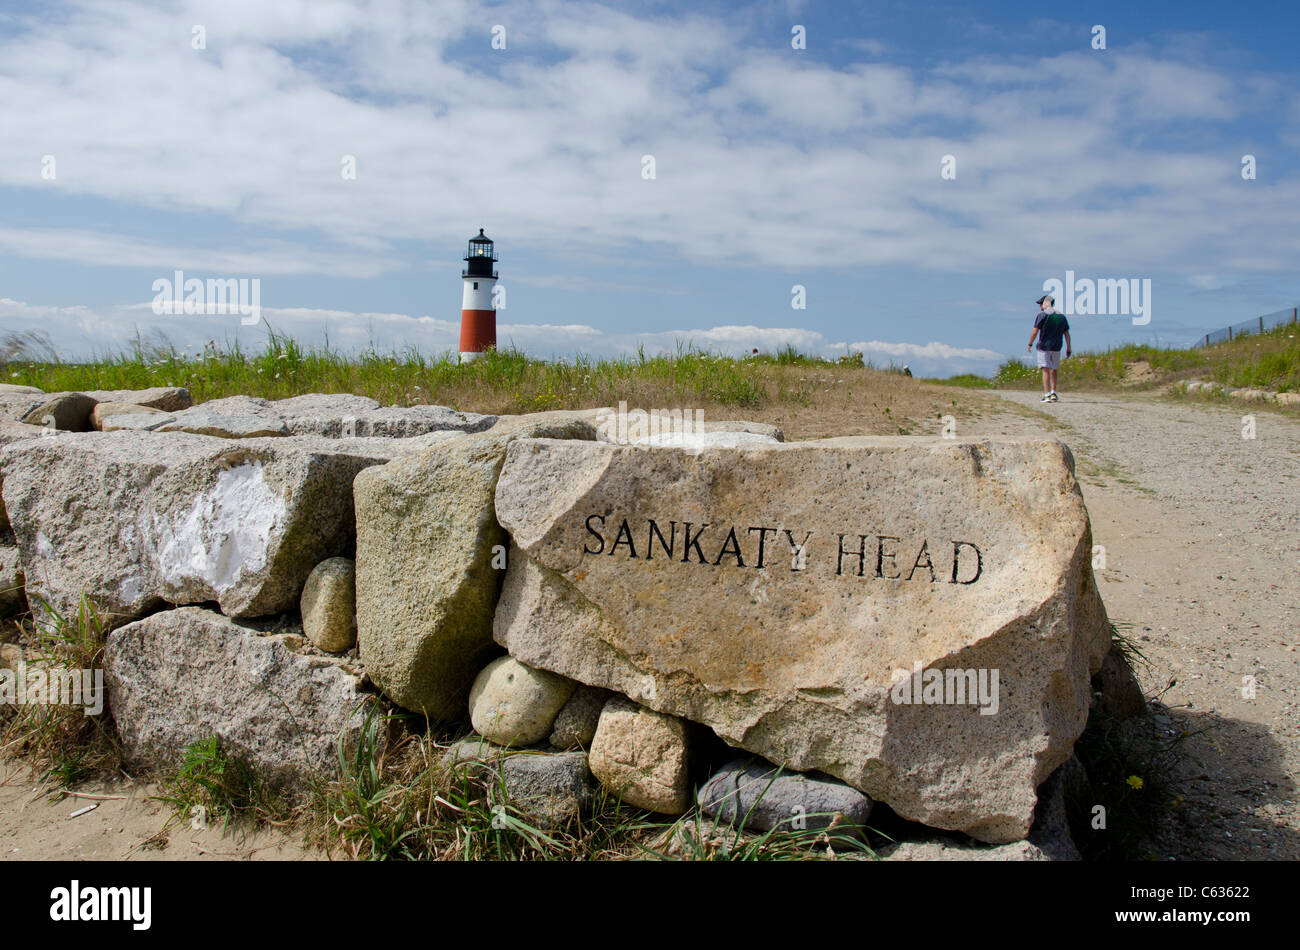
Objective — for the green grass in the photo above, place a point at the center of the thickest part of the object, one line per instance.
(372, 818)
(967, 381)
(210, 784)
(406, 802)
(503, 381)
(285, 368)
(1010, 375)
(63, 743)
(508, 381)
(1270, 360)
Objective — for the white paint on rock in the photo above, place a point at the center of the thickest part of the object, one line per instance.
(135, 520)
(225, 534)
(130, 590)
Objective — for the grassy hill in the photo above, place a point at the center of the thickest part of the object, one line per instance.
(808, 396)
(1270, 360)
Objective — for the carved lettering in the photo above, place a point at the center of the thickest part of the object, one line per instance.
(598, 536)
(730, 546)
(928, 565)
(862, 555)
(762, 537)
(956, 556)
(668, 547)
(746, 549)
(623, 532)
(686, 555)
(881, 555)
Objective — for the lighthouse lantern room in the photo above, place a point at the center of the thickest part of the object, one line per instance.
(478, 316)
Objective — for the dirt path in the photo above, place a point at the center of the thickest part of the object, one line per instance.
(37, 823)
(1201, 529)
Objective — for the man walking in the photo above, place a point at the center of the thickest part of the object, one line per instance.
(1049, 327)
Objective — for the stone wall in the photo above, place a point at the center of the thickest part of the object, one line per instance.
(911, 621)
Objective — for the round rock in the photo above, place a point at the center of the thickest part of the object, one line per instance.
(513, 704)
(329, 605)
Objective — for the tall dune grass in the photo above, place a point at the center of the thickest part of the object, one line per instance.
(500, 381)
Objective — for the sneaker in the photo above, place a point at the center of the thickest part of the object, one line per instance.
(1046, 398)
(1055, 398)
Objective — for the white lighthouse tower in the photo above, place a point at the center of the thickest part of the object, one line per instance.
(478, 315)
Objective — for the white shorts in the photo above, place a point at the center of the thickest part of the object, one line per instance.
(1049, 359)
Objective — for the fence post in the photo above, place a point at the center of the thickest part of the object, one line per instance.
(1229, 334)
(1261, 326)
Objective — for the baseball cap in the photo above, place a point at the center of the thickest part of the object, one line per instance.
(1045, 297)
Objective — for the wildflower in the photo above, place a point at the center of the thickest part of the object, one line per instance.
(1135, 782)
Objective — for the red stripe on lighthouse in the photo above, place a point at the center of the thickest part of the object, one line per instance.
(478, 330)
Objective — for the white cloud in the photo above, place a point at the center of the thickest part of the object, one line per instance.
(929, 351)
(763, 159)
(267, 257)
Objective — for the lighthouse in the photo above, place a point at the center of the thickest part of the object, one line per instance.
(478, 316)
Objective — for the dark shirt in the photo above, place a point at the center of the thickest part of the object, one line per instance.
(1051, 327)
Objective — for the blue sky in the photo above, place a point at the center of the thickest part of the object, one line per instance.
(774, 166)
